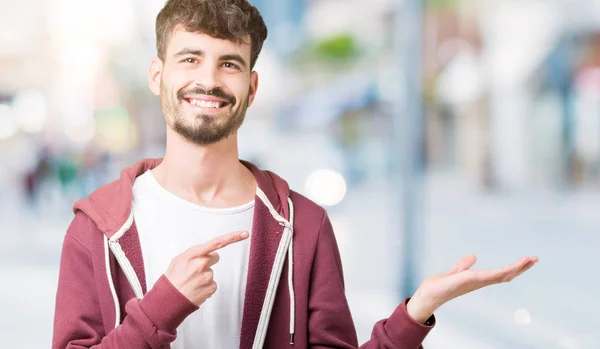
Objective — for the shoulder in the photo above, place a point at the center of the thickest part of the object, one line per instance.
(307, 214)
(83, 231)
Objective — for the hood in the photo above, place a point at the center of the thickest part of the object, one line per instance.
(109, 207)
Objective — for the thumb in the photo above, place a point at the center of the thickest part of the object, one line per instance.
(463, 264)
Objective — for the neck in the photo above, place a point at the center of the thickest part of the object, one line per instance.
(209, 175)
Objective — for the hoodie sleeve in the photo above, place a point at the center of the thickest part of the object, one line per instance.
(78, 322)
(330, 322)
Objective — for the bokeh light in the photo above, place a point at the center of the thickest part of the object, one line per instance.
(326, 187)
(8, 124)
(522, 317)
(30, 111)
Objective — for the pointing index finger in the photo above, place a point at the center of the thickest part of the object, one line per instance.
(217, 243)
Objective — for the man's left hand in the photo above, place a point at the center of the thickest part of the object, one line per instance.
(439, 289)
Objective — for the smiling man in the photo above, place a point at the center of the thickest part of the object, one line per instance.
(202, 250)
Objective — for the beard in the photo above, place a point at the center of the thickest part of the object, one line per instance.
(203, 129)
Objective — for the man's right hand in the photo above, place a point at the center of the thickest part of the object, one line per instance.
(190, 272)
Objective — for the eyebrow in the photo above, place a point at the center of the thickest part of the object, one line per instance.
(234, 57)
(189, 51)
(227, 57)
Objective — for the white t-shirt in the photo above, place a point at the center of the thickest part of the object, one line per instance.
(167, 226)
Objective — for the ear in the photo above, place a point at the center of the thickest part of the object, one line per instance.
(154, 75)
(253, 87)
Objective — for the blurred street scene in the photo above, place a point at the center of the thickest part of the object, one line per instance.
(429, 130)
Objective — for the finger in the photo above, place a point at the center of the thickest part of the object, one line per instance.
(521, 271)
(525, 268)
(465, 263)
(215, 244)
(511, 268)
(510, 277)
(502, 274)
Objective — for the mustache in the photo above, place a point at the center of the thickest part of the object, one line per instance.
(216, 92)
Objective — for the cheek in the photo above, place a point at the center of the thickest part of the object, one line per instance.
(239, 87)
(175, 81)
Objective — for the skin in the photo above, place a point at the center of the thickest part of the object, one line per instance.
(208, 173)
(202, 165)
(191, 272)
(437, 290)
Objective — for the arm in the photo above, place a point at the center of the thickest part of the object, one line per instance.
(330, 322)
(150, 322)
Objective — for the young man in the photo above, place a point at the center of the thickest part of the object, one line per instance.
(139, 261)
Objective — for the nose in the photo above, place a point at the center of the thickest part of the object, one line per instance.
(207, 76)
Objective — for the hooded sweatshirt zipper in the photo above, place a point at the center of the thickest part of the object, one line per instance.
(127, 268)
(111, 283)
(115, 247)
(269, 300)
(285, 247)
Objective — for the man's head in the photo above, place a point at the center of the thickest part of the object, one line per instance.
(203, 73)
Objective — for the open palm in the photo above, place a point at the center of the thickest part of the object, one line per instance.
(439, 289)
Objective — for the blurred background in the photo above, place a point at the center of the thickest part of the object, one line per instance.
(428, 129)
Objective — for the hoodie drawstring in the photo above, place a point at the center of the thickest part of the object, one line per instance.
(291, 275)
(111, 283)
(112, 245)
(285, 248)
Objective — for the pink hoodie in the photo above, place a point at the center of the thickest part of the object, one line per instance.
(102, 300)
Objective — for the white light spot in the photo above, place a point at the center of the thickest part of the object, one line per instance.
(326, 187)
(30, 111)
(522, 317)
(8, 126)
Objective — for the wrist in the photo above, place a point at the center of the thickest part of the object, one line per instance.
(419, 309)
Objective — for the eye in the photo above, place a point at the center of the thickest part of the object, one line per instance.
(230, 65)
(189, 60)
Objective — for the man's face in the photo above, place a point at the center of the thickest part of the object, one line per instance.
(205, 85)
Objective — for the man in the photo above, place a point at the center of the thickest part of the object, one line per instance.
(139, 261)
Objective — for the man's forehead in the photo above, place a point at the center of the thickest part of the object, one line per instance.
(182, 38)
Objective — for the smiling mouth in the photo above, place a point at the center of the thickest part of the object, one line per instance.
(207, 105)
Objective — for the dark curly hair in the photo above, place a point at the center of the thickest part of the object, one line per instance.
(223, 19)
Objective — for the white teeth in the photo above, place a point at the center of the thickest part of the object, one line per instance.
(205, 104)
